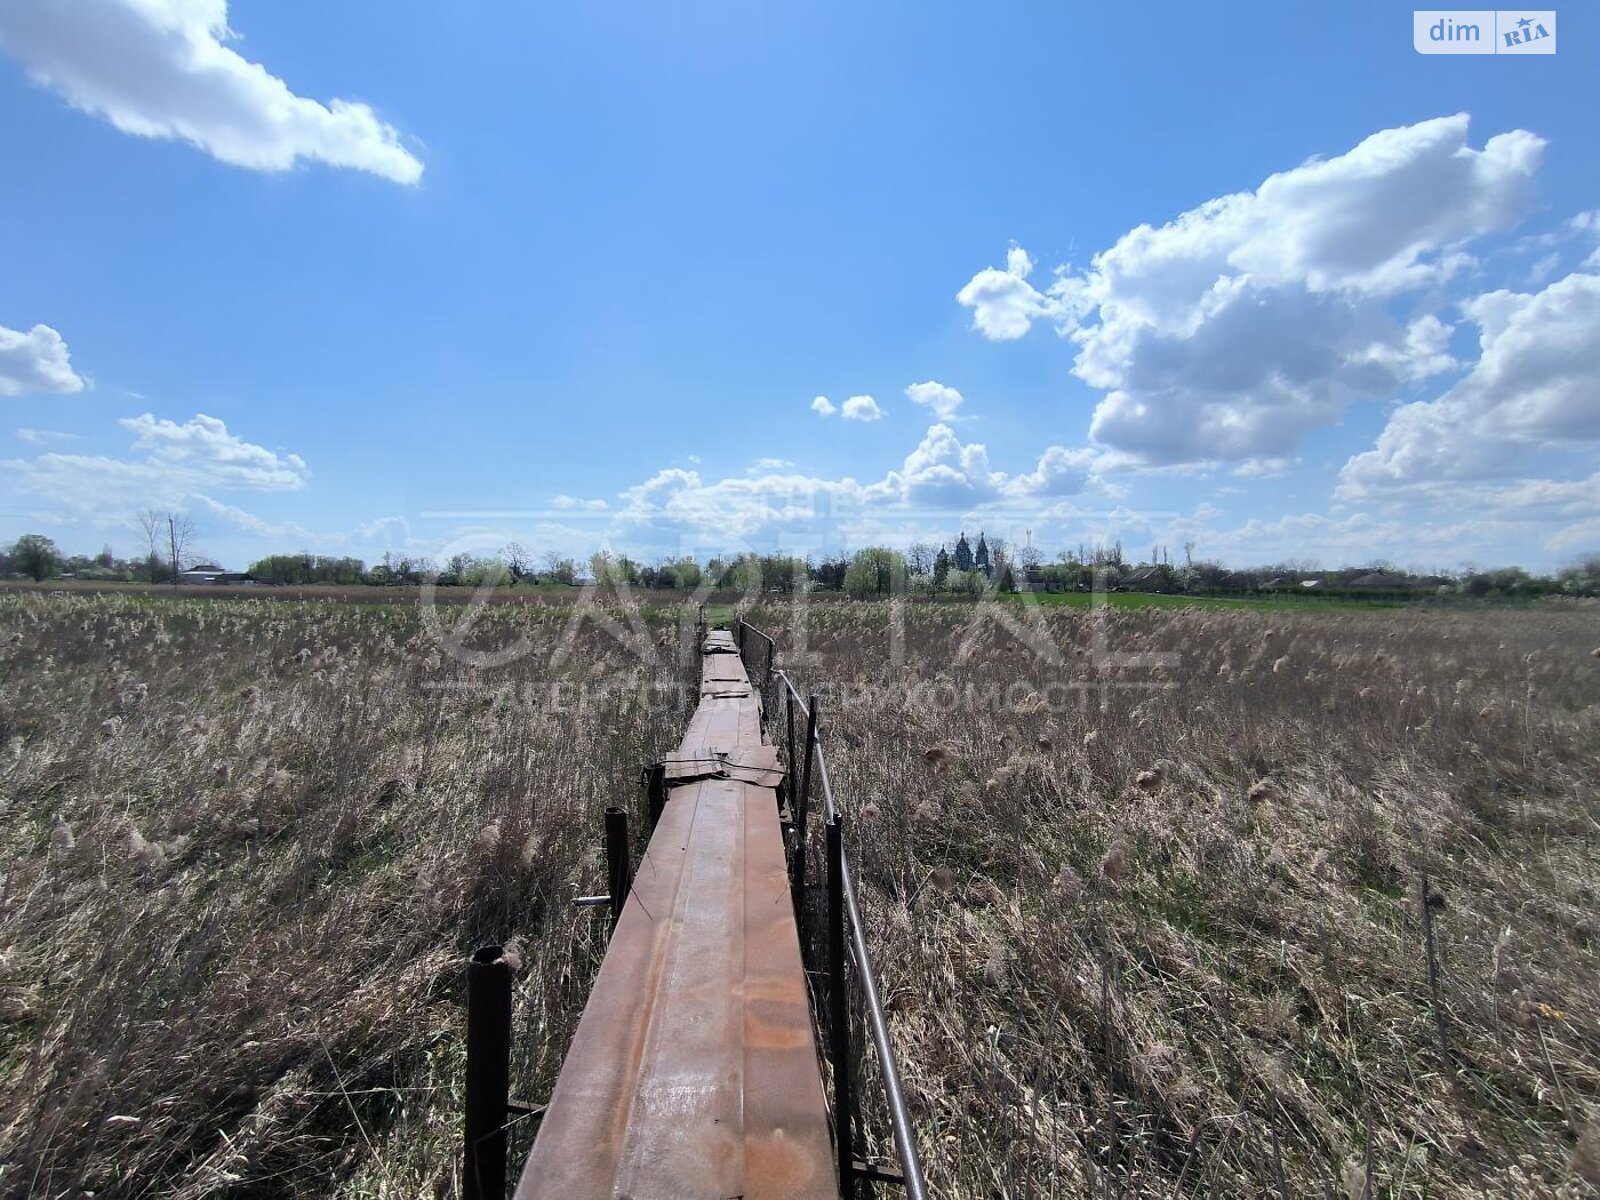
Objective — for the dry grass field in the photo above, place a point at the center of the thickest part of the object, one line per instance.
(1132, 939)
(246, 848)
(1131, 932)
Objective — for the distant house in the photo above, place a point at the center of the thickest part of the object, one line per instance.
(1382, 581)
(1233, 581)
(211, 573)
(1145, 579)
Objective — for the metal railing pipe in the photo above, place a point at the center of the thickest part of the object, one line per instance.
(899, 1116)
(839, 1014)
(803, 804)
(878, 1024)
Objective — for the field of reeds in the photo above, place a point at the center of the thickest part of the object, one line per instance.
(1144, 887)
(244, 849)
(1147, 888)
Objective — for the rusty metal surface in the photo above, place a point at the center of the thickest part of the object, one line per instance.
(693, 1072)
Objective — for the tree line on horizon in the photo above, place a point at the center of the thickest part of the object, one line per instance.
(920, 569)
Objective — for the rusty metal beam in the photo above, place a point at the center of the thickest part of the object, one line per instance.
(693, 1072)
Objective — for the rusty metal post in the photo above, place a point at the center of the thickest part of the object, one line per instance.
(655, 792)
(839, 1012)
(488, 1089)
(1429, 900)
(788, 745)
(619, 862)
(797, 866)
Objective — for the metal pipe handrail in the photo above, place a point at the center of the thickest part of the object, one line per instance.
(899, 1116)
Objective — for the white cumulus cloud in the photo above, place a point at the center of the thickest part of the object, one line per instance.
(944, 401)
(170, 464)
(861, 408)
(940, 479)
(165, 69)
(1061, 472)
(943, 472)
(1535, 386)
(204, 443)
(36, 361)
(823, 407)
(42, 437)
(250, 523)
(1004, 304)
(1233, 330)
(576, 503)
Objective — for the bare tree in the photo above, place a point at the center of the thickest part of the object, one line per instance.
(919, 558)
(180, 533)
(518, 559)
(1029, 555)
(151, 523)
(558, 569)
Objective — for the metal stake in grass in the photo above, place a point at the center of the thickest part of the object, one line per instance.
(1431, 901)
(488, 1085)
(1108, 1037)
(1366, 1149)
(1277, 1167)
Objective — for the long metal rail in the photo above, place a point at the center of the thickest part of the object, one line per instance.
(800, 767)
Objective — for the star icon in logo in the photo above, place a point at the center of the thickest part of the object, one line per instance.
(1524, 23)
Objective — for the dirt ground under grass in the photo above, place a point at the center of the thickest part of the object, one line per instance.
(1141, 903)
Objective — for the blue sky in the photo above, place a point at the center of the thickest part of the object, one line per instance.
(366, 277)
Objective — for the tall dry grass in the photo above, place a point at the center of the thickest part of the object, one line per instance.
(246, 848)
(1134, 934)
